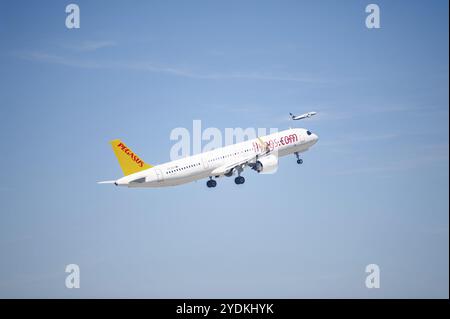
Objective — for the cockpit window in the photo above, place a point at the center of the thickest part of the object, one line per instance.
(308, 132)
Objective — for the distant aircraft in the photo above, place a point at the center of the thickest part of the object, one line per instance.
(303, 116)
(260, 154)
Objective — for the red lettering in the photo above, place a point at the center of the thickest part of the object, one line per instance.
(133, 156)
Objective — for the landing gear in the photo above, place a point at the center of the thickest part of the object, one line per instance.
(211, 183)
(299, 160)
(258, 166)
(239, 179)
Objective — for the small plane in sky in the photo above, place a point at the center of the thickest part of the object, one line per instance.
(303, 116)
(260, 154)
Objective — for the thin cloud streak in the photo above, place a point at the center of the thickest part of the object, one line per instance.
(439, 155)
(331, 114)
(88, 46)
(154, 68)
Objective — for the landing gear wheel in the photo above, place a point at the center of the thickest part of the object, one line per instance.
(299, 160)
(211, 183)
(239, 180)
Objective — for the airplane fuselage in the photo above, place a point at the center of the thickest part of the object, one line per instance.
(207, 164)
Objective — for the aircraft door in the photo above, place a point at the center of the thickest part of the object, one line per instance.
(300, 139)
(159, 175)
(204, 162)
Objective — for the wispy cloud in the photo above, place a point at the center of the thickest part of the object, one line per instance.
(429, 154)
(55, 59)
(337, 113)
(87, 46)
(43, 57)
(355, 138)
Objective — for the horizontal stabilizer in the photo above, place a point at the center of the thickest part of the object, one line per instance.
(106, 182)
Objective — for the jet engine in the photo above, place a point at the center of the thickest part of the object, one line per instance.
(267, 164)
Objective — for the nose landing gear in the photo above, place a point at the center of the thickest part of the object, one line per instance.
(299, 160)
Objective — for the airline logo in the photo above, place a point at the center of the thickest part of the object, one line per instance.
(274, 143)
(133, 156)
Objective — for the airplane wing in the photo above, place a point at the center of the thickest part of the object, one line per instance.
(227, 168)
(241, 163)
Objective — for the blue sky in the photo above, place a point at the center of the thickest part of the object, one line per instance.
(374, 189)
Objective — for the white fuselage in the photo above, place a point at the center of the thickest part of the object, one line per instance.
(202, 165)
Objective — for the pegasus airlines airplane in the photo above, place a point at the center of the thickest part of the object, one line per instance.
(260, 154)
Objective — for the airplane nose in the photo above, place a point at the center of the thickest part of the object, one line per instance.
(315, 138)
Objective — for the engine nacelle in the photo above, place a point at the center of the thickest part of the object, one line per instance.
(267, 164)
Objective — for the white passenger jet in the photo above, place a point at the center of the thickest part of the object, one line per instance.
(303, 116)
(260, 154)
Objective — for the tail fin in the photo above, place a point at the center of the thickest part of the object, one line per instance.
(128, 160)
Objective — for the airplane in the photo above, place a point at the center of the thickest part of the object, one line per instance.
(260, 154)
(303, 116)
